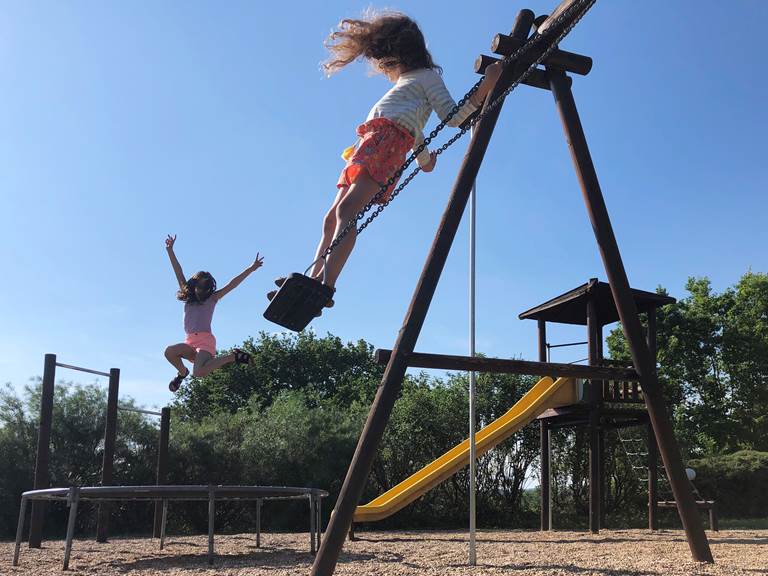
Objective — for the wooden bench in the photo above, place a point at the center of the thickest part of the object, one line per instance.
(702, 505)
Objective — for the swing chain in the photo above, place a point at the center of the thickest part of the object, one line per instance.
(536, 40)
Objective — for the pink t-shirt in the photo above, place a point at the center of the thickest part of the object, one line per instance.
(198, 316)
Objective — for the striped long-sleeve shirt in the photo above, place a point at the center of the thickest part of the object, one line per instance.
(411, 101)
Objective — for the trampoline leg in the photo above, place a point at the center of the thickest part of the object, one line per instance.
(73, 498)
(211, 510)
(311, 524)
(163, 523)
(319, 524)
(19, 530)
(258, 523)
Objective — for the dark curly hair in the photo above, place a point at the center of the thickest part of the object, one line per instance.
(387, 38)
(203, 279)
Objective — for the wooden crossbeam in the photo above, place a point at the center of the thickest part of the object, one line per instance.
(537, 78)
(506, 366)
(561, 59)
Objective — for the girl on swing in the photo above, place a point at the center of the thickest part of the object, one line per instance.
(200, 297)
(394, 45)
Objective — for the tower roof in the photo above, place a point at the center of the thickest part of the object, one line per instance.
(571, 307)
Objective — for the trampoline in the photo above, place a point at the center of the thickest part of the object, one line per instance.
(73, 495)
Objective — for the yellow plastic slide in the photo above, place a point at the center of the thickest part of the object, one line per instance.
(545, 394)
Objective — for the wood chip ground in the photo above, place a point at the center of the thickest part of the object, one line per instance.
(527, 553)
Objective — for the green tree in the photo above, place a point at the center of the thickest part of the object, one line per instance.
(324, 368)
(18, 437)
(745, 356)
(76, 451)
(713, 363)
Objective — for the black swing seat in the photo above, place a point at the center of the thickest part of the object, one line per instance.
(298, 301)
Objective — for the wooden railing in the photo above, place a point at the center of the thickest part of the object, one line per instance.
(621, 391)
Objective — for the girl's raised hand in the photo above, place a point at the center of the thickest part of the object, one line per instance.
(170, 241)
(258, 263)
(431, 164)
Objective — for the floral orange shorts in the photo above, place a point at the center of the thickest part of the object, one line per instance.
(380, 150)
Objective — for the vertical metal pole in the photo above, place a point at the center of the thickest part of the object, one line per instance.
(472, 379)
(42, 474)
(630, 321)
(19, 530)
(162, 464)
(110, 434)
(258, 523)
(72, 500)
(378, 416)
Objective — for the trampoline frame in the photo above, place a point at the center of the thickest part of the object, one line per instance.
(201, 493)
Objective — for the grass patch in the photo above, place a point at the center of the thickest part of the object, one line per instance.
(743, 523)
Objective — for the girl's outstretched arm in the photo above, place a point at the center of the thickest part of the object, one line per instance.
(232, 284)
(442, 103)
(169, 242)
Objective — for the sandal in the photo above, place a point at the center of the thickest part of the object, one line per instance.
(280, 281)
(331, 303)
(242, 357)
(271, 294)
(176, 382)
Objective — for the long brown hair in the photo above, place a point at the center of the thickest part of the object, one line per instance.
(203, 279)
(388, 38)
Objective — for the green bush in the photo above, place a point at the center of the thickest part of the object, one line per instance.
(736, 481)
(76, 455)
(288, 443)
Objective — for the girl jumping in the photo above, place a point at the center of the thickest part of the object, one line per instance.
(200, 297)
(394, 45)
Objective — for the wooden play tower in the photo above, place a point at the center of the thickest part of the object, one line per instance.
(553, 77)
(608, 404)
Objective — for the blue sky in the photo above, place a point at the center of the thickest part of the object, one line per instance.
(121, 122)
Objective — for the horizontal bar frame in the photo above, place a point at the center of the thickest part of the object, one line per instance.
(139, 410)
(566, 344)
(81, 369)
